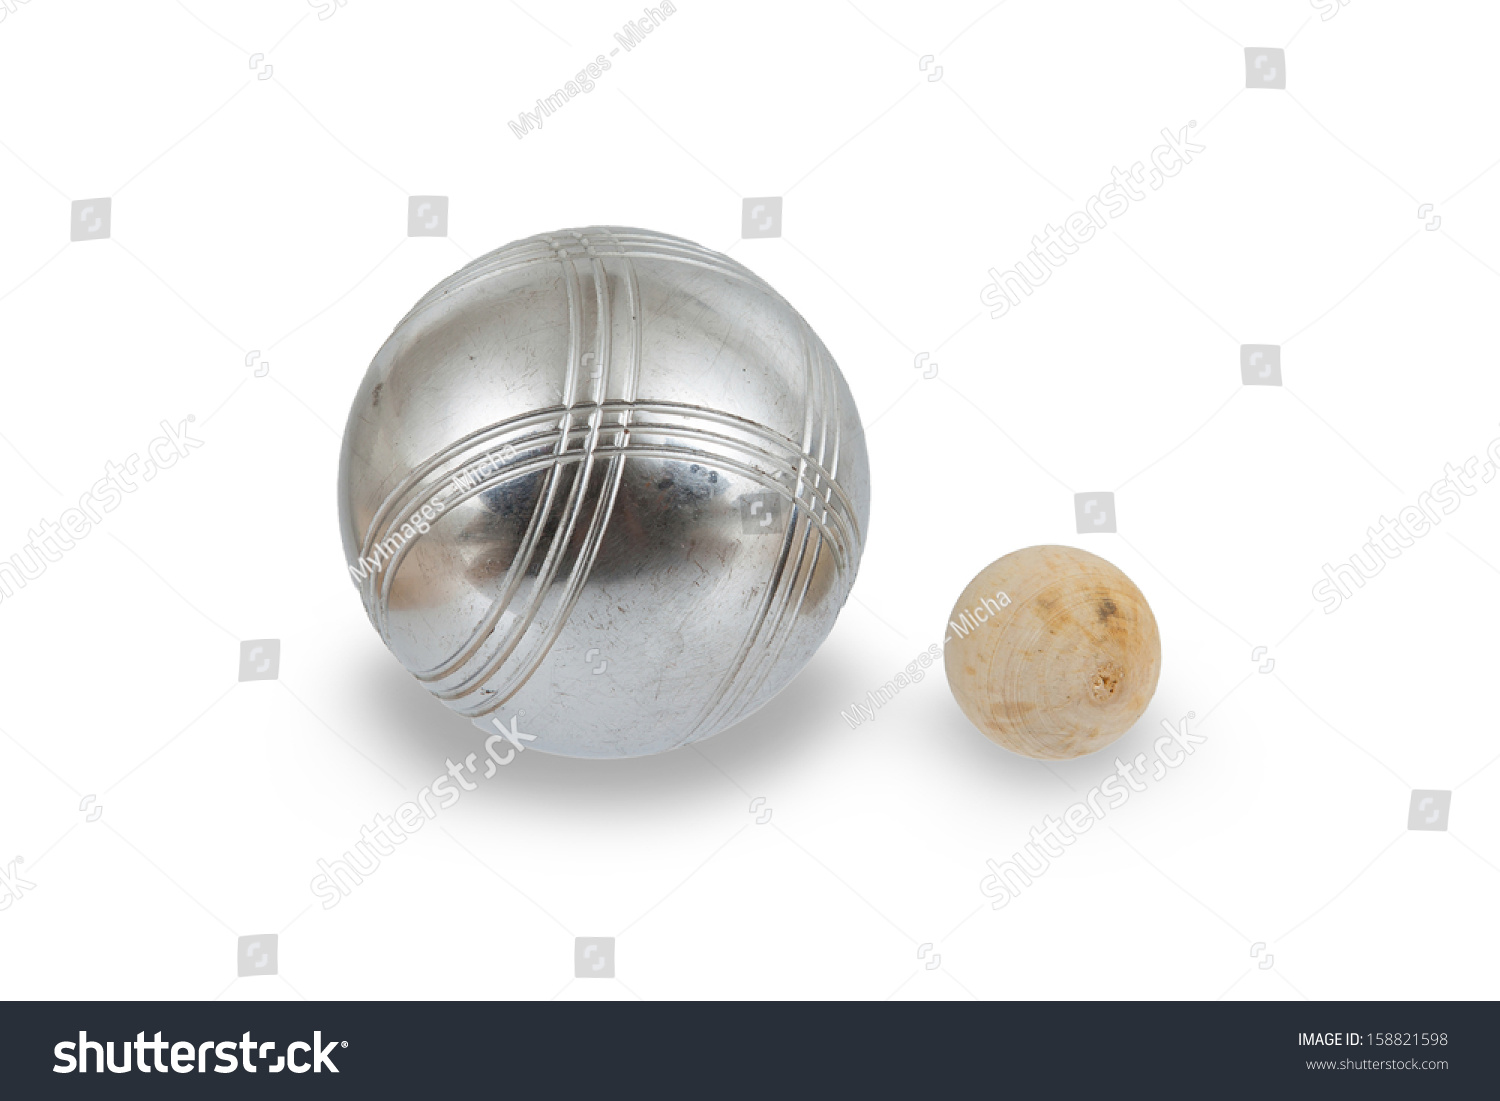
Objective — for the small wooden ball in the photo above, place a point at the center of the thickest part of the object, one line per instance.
(1052, 652)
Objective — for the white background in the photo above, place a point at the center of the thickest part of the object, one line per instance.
(269, 216)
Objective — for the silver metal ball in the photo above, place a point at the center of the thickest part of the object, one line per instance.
(606, 488)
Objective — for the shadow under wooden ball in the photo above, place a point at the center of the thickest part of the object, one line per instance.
(1059, 653)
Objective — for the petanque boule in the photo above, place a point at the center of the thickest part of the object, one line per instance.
(606, 481)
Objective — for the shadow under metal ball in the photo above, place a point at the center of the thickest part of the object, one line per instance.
(604, 487)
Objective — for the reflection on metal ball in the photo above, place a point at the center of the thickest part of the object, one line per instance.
(607, 480)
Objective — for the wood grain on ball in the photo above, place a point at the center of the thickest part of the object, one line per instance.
(1067, 666)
